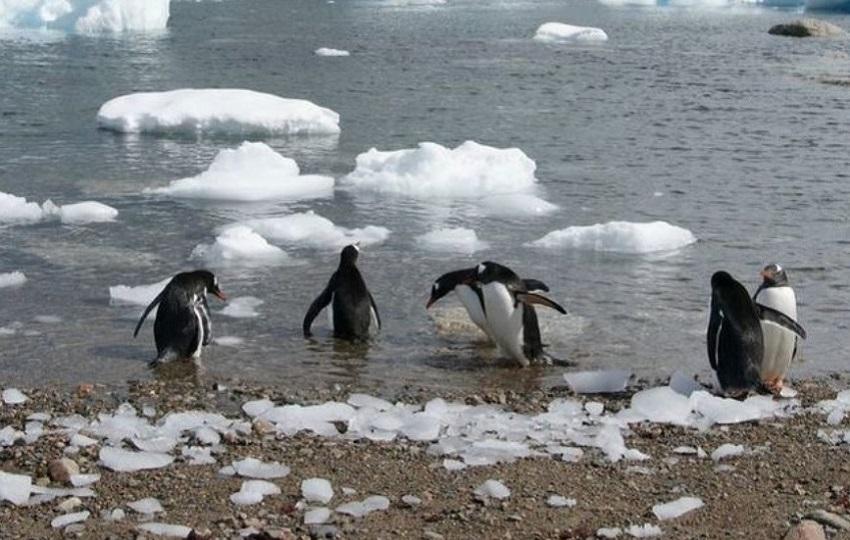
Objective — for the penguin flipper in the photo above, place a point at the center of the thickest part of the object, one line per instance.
(532, 343)
(769, 314)
(205, 320)
(711, 337)
(148, 309)
(535, 285)
(375, 310)
(534, 298)
(318, 305)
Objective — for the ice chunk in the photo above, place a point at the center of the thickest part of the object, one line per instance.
(128, 461)
(454, 465)
(662, 405)
(674, 509)
(165, 529)
(253, 491)
(81, 213)
(598, 382)
(308, 229)
(619, 236)
(364, 400)
(240, 246)
(228, 111)
(325, 51)
(14, 209)
(558, 501)
(456, 240)
(257, 407)
(198, 455)
(517, 204)
(432, 170)
(67, 519)
(13, 396)
(243, 307)
(140, 295)
(554, 32)
(609, 532)
(149, 505)
(364, 507)
(82, 480)
(727, 450)
(316, 516)
(15, 488)
(644, 531)
(12, 279)
(723, 410)
(494, 489)
(254, 468)
(317, 490)
(229, 341)
(252, 172)
(684, 384)
(611, 442)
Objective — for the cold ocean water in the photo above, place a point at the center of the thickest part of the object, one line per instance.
(692, 116)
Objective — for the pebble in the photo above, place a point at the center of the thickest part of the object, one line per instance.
(806, 530)
(69, 504)
(60, 470)
(411, 500)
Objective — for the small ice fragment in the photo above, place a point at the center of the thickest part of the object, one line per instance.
(835, 417)
(619, 237)
(81, 440)
(229, 341)
(166, 529)
(127, 461)
(594, 408)
(453, 465)
(12, 279)
(149, 505)
(674, 509)
(598, 382)
(686, 450)
(257, 407)
(15, 488)
(411, 500)
(494, 489)
(317, 490)
(254, 468)
(253, 491)
(558, 501)
(681, 383)
(364, 507)
(13, 396)
(82, 480)
(662, 405)
(644, 531)
(727, 450)
(609, 532)
(148, 411)
(347, 491)
(117, 515)
(365, 400)
(316, 516)
(555, 32)
(47, 319)
(787, 392)
(327, 51)
(67, 519)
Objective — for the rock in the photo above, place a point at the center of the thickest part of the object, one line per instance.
(828, 518)
(85, 389)
(411, 501)
(806, 530)
(806, 28)
(60, 470)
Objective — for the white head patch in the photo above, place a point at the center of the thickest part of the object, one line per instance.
(436, 286)
(356, 246)
(481, 268)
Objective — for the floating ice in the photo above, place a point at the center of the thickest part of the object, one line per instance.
(253, 491)
(243, 307)
(517, 204)
(317, 490)
(228, 111)
(325, 51)
(558, 501)
(644, 531)
(165, 529)
(726, 451)
(80, 213)
(554, 32)
(240, 246)
(140, 295)
(83, 480)
(316, 516)
(229, 341)
(12, 279)
(15, 488)
(251, 172)
(676, 508)
(67, 519)
(86, 16)
(15, 209)
(254, 468)
(308, 229)
(13, 396)
(598, 382)
(619, 236)
(366, 506)
(149, 505)
(128, 461)
(494, 489)
(458, 240)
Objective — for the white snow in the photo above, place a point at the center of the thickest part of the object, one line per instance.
(316, 516)
(727, 450)
(85, 16)
(619, 236)
(309, 229)
(455, 240)
(253, 491)
(251, 172)
(598, 382)
(242, 307)
(67, 519)
(12, 279)
(493, 488)
(317, 490)
(366, 506)
(13, 396)
(555, 32)
(646, 530)
(140, 295)
(559, 501)
(129, 461)
(240, 246)
(327, 51)
(210, 110)
(676, 508)
(166, 529)
(17, 210)
(254, 468)
(149, 505)
(15, 488)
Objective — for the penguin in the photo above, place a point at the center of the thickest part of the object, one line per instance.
(353, 310)
(508, 307)
(182, 327)
(734, 339)
(780, 342)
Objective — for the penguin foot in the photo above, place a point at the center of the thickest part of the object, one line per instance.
(774, 385)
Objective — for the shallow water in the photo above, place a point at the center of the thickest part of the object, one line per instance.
(696, 117)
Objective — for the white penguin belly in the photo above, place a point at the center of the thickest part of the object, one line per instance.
(473, 307)
(199, 318)
(504, 320)
(779, 342)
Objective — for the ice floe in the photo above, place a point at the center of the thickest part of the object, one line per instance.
(17, 210)
(317, 490)
(253, 492)
(243, 307)
(165, 529)
(13, 396)
(326, 51)
(555, 32)
(251, 172)
(140, 295)
(679, 507)
(455, 240)
(211, 110)
(67, 519)
(368, 505)
(240, 246)
(620, 237)
(12, 279)
(598, 382)
(86, 16)
(308, 229)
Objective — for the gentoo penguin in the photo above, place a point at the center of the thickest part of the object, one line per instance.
(780, 343)
(735, 340)
(353, 310)
(508, 308)
(182, 325)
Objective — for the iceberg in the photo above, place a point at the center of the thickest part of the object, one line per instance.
(457, 240)
(86, 16)
(251, 172)
(211, 110)
(555, 32)
(620, 237)
(325, 51)
(240, 246)
(308, 229)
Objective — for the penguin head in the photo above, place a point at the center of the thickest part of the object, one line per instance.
(349, 254)
(447, 283)
(773, 275)
(721, 279)
(205, 281)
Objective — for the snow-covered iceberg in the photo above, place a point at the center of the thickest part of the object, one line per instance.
(240, 246)
(308, 229)
(555, 32)
(86, 16)
(619, 236)
(251, 172)
(211, 110)
(457, 240)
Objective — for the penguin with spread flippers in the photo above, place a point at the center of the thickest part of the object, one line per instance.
(780, 342)
(354, 314)
(508, 308)
(182, 326)
(734, 340)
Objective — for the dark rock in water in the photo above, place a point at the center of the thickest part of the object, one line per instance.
(806, 530)
(806, 28)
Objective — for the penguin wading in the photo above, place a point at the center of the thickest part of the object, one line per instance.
(183, 327)
(353, 310)
(508, 306)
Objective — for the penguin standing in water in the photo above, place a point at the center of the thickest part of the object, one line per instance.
(780, 343)
(353, 310)
(735, 339)
(508, 307)
(182, 327)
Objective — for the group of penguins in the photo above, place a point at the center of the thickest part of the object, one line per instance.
(751, 340)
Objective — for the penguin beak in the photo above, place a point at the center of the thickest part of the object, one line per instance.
(220, 295)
